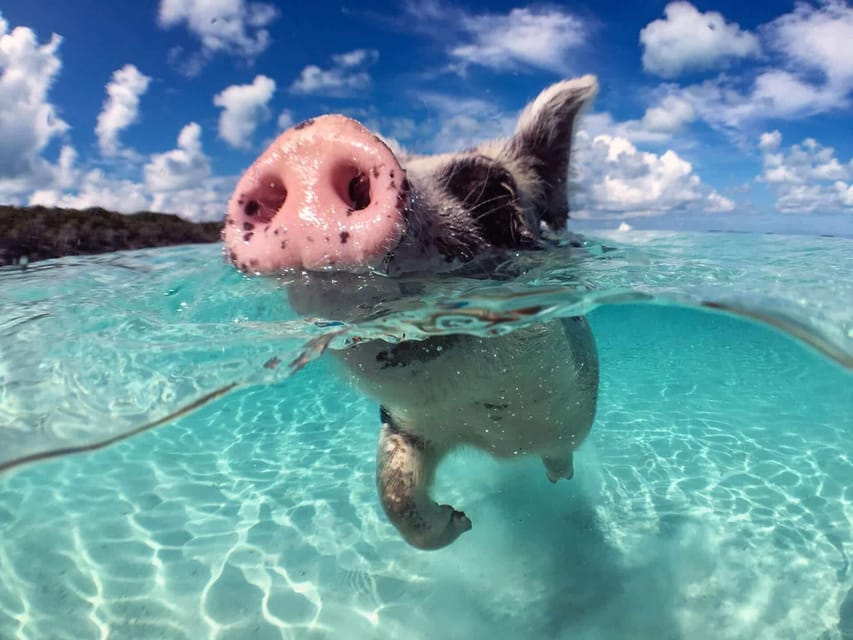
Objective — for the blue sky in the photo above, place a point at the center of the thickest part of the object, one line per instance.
(711, 114)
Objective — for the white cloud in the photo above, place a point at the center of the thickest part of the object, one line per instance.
(346, 76)
(356, 58)
(181, 168)
(669, 116)
(121, 108)
(97, 190)
(244, 107)
(285, 120)
(658, 124)
(818, 38)
(614, 179)
(773, 94)
(457, 123)
(28, 121)
(811, 72)
(687, 40)
(770, 140)
(177, 181)
(234, 27)
(806, 178)
(537, 38)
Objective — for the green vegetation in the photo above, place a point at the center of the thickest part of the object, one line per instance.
(38, 233)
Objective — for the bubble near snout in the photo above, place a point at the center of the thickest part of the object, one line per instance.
(324, 194)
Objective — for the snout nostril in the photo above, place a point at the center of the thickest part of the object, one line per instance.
(263, 202)
(359, 192)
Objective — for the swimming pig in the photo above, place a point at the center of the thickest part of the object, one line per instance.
(330, 196)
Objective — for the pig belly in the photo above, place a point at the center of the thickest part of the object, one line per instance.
(529, 392)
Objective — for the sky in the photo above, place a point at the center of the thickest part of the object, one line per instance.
(710, 115)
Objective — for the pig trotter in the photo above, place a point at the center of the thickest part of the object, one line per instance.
(562, 467)
(405, 466)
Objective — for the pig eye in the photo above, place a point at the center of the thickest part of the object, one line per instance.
(479, 183)
(487, 191)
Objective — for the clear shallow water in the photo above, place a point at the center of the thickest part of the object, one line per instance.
(712, 499)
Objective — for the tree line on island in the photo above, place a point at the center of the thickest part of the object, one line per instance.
(28, 234)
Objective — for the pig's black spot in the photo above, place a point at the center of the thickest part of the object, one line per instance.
(391, 174)
(276, 232)
(405, 353)
(494, 407)
(248, 226)
(229, 220)
(284, 244)
(248, 236)
(244, 267)
(376, 172)
(252, 207)
(241, 202)
(254, 262)
(392, 184)
(344, 237)
(233, 257)
(304, 124)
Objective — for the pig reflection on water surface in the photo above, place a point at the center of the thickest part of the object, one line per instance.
(329, 196)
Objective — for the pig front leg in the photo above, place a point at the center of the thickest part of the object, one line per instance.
(405, 467)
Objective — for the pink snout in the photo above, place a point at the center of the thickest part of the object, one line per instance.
(326, 193)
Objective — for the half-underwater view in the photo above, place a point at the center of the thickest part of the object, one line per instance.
(426, 320)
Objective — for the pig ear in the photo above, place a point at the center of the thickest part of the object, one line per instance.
(542, 144)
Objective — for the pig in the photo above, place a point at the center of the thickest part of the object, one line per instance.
(330, 200)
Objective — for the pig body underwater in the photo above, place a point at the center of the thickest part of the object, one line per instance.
(329, 196)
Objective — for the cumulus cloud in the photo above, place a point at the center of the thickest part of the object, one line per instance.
(347, 75)
(180, 180)
(121, 108)
(29, 122)
(806, 177)
(177, 181)
(534, 38)
(457, 122)
(181, 168)
(615, 179)
(530, 38)
(96, 189)
(818, 38)
(687, 40)
(285, 120)
(810, 72)
(235, 27)
(244, 107)
(658, 124)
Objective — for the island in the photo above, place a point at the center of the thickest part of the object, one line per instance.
(28, 234)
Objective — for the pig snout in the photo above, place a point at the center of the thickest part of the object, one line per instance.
(326, 194)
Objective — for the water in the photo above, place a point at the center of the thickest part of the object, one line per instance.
(714, 497)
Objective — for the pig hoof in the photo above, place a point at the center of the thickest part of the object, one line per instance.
(448, 525)
(562, 467)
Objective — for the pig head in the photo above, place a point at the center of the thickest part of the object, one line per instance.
(330, 196)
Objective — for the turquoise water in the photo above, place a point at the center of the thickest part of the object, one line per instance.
(713, 498)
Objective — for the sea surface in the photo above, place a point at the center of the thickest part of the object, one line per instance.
(182, 458)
